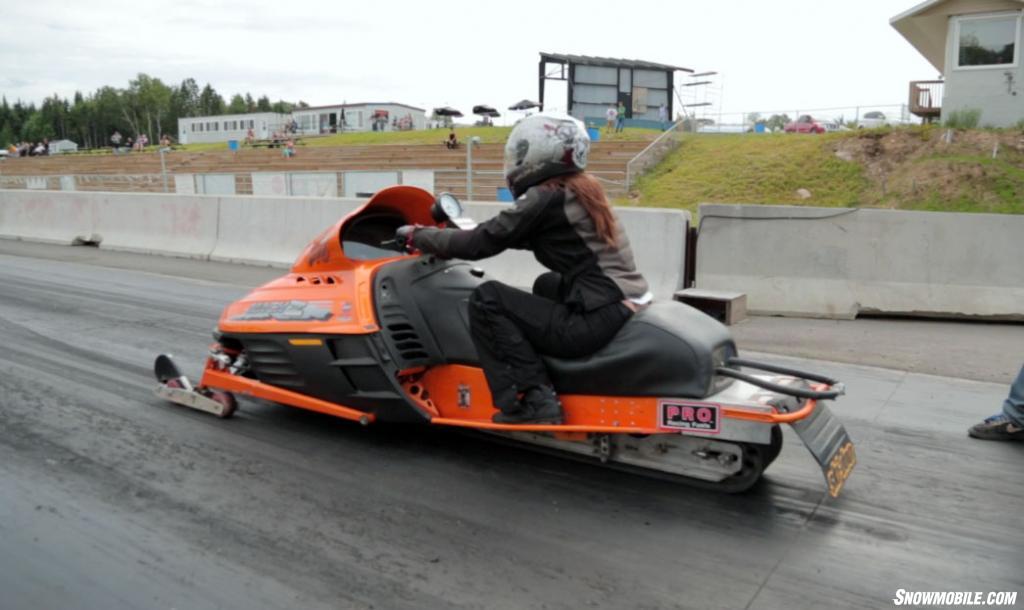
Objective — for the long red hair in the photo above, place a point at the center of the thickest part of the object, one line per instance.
(591, 195)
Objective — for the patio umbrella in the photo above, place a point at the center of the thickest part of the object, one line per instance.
(447, 111)
(485, 110)
(524, 105)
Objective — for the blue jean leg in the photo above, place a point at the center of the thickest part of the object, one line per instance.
(1013, 406)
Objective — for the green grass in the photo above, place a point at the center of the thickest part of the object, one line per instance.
(753, 168)
(900, 168)
(987, 185)
(487, 135)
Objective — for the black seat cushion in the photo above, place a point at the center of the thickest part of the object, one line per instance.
(669, 349)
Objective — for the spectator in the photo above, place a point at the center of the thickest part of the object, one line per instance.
(611, 114)
(250, 137)
(620, 118)
(1009, 424)
(289, 149)
(129, 144)
(663, 116)
(452, 142)
(165, 142)
(115, 141)
(142, 142)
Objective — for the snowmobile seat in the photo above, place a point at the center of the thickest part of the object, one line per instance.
(668, 349)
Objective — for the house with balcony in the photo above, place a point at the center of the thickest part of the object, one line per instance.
(976, 47)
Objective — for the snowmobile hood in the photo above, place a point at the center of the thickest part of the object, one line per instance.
(328, 290)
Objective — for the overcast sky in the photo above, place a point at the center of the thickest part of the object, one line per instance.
(769, 55)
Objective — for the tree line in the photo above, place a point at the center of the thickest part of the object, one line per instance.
(147, 106)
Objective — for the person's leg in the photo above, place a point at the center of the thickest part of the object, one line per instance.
(498, 315)
(575, 334)
(1013, 406)
(1009, 424)
(548, 285)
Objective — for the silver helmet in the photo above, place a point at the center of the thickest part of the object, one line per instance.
(542, 146)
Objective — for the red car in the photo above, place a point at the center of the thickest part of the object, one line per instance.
(804, 124)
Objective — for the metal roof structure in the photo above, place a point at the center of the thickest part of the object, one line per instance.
(611, 62)
(645, 89)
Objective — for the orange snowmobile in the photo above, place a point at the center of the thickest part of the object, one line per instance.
(363, 331)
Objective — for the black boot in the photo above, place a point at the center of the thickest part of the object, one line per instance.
(540, 405)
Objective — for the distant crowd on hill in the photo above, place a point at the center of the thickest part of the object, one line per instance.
(30, 149)
(121, 144)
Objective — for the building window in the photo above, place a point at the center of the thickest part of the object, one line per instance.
(988, 42)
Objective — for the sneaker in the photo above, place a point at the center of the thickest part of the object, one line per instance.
(997, 428)
(540, 405)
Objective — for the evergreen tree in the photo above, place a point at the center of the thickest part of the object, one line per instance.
(6, 135)
(237, 105)
(210, 102)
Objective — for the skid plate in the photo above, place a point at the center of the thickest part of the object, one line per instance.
(190, 399)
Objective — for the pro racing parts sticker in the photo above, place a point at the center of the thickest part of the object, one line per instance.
(287, 311)
(689, 417)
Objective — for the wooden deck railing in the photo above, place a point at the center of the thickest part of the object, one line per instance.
(926, 98)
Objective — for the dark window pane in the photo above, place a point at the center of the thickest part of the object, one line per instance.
(987, 42)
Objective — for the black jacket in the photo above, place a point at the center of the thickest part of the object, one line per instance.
(558, 229)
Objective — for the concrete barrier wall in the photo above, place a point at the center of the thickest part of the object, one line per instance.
(836, 263)
(47, 216)
(156, 223)
(274, 230)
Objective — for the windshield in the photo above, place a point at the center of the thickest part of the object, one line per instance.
(362, 238)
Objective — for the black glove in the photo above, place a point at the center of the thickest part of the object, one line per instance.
(404, 235)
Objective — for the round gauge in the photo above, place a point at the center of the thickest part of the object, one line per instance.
(451, 206)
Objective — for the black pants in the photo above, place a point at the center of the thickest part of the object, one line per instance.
(511, 328)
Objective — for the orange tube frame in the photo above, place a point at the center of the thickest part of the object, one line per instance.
(243, 385)
(251, 387)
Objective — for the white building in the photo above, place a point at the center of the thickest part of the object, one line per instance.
(976, 46)
(230, 127)
(63, 146)
(384, 116)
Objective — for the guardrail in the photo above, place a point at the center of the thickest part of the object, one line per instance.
(653, 154)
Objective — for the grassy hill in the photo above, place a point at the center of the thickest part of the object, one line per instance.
(907, 168)
(487, 135)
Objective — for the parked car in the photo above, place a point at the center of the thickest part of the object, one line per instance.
(834, 125)
(872, 119)
(805, 124)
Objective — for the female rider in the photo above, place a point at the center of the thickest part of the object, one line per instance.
(563, 216)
